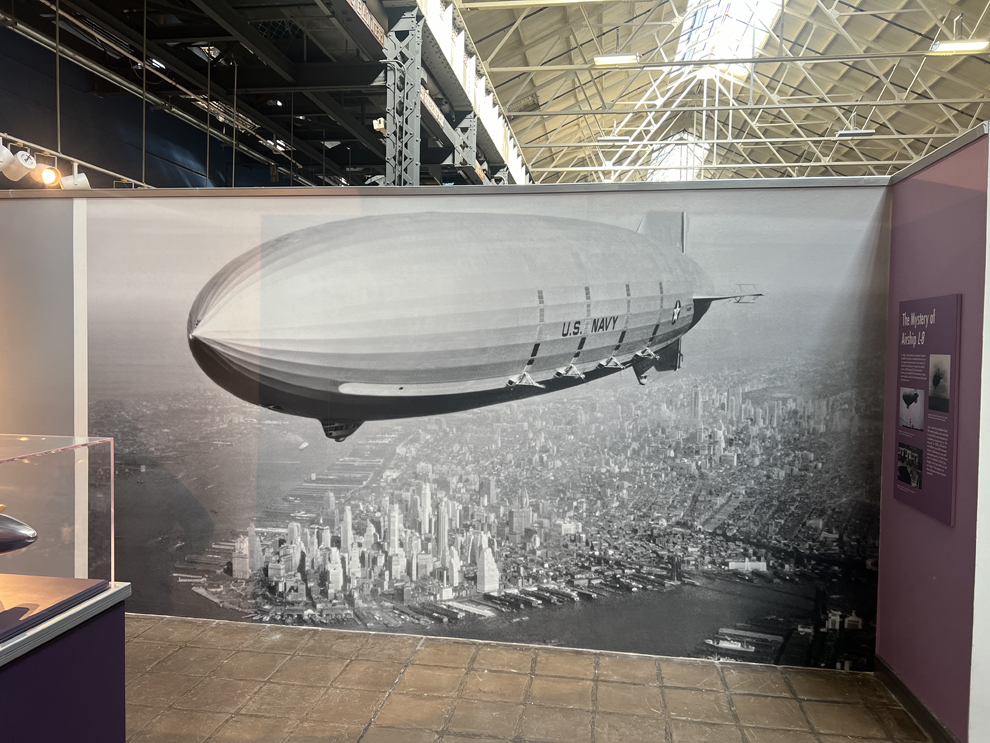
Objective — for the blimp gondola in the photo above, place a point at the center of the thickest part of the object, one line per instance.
(408, 315)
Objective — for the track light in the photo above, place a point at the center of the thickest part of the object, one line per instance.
(616, 60)
(16, 166)
(959, 47)
(77, 181)
(47, 175)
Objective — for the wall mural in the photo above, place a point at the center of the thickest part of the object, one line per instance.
(502, 417)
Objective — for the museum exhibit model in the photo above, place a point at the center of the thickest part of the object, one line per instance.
(61, 612)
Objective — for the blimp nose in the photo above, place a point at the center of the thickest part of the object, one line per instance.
(15, 535)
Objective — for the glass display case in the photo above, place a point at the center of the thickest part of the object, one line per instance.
(61, 486)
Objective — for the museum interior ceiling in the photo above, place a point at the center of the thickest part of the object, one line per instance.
(547, 91)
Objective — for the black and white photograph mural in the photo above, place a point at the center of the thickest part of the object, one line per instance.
(641, 421)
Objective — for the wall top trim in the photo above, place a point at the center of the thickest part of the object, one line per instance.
(432, 191)
(980, 130)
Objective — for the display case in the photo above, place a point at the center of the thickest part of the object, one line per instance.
(63, 487)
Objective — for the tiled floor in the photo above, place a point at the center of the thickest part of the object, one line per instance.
(191, 681)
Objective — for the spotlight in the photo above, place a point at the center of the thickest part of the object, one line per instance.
(16, 166)
(46, 174)
(76, 181)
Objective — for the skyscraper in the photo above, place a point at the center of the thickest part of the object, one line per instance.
(346, 532)
(488, 576)
(393, 529)
(241, 560)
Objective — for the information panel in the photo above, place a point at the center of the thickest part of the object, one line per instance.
(927, 395)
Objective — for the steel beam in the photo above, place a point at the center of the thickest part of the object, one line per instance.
(403, 117)
(749, 107)
(595, 145)
(726, 166)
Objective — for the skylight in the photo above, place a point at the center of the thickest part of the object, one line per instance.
(682, 151)
(726, 29)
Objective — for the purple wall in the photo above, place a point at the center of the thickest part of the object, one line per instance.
(925, 622)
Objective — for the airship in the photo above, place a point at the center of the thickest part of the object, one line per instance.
(405, 315)
(14, 535)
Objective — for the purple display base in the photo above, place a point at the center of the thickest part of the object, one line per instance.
(69, 689)
(927, 397)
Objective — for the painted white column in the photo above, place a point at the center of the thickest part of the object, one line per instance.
(80, 363)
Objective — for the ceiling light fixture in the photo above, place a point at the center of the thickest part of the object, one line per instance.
(16, 165)
(616, 60)
(961, 46)
(47, 175)
(850, 133)
(614, 138)
(77, 181)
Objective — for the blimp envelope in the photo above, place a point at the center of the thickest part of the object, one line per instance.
(416, 314)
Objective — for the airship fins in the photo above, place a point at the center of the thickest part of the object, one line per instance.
(666, 228)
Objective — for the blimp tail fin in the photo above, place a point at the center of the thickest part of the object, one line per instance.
(666, 228)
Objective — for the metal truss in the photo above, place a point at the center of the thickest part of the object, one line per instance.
(404, 68)
(823, 66)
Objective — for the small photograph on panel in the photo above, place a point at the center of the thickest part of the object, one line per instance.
(909, 461)
(938, 382)
(912, 409)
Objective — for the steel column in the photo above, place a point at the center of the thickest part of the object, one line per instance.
(404, 61)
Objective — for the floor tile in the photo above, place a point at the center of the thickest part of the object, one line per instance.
(430, 680)
(611, 728)
(561, 692)
(556, 725)
(332, 644)
(180, 726)
(174, 631)
(366, 674)
(142, 656)
(193, 661)
(396, 735)
(249, 729)
(218, 695)
(763, 735)
(629, 699)
(388, 648)
(228, 635)
(843, 719)
(900, 725)
(283, 700)
(485, 718)
(769, 712)
(249, 665)
(444, 653)
(628, 669)
(750, 679)
(551, 662)
(693, 675)
(704, 706)
(311, 731)
(829, 686)
(159, 689)
(309, 670)
(504, 658)
(700, 732)
(414, 711)
(277, 639)
(135, 624)
(138, 717)
(495, 686)
(347, 707)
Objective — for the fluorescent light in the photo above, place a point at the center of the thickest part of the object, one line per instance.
(614, 138)
(958, 47)
(849, 133)
(616, 60)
